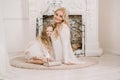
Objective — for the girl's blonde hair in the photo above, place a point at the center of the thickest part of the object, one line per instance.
(65, 17)
(44, 39)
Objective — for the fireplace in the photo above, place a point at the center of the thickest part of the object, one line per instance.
(86, 12)
(76, 29)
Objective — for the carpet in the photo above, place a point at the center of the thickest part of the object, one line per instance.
(19, 62)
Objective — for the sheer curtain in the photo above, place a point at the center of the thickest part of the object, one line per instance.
(4, 59)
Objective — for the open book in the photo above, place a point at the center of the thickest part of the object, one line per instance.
(53, 63)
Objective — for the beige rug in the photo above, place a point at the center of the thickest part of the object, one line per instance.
(19, 62)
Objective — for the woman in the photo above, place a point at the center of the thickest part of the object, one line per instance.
(40, 50)
(61, 38)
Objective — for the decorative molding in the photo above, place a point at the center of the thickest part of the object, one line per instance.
(15, 19)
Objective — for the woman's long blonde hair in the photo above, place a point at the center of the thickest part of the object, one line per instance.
(44, 39)
(57, 26)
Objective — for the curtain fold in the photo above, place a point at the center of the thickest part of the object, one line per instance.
(4, 58)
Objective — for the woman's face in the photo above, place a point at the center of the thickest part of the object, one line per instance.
(49, 31)
(58, 17)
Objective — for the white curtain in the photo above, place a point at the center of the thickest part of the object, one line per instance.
(4, 59)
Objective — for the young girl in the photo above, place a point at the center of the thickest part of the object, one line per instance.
(40, 50)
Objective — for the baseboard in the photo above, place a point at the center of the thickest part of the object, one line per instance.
(112, 51)
(96, 52)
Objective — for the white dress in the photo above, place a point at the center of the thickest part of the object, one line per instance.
(36, 49)
(62, 46)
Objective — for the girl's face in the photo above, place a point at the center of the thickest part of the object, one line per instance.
(58, 17)
(49, 31)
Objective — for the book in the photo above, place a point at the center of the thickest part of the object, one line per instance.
(53, 63)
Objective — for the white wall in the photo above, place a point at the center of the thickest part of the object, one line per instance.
(15, 21)
(109, 25)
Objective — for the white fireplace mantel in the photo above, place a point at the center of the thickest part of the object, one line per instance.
(87, 8)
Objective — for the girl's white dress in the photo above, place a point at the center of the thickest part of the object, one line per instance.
(62, 46)
(36, 49)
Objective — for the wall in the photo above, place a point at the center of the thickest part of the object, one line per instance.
(15, 21)
(109, 25)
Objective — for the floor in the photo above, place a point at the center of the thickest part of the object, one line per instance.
(108, 68)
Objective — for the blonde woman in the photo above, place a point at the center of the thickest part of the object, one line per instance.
(61, 38)
(40, 50)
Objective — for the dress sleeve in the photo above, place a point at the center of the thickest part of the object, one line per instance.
(65, 40)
